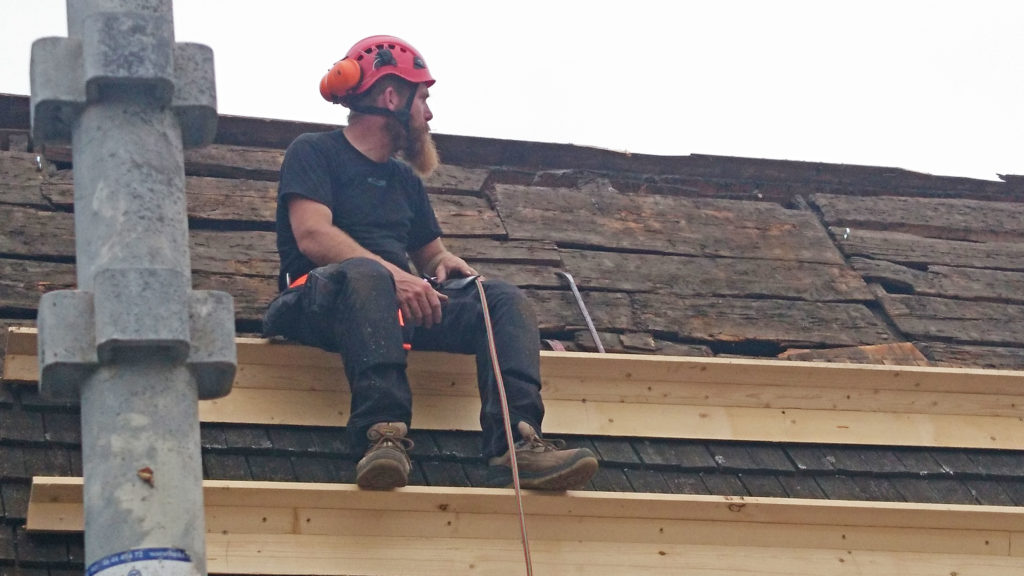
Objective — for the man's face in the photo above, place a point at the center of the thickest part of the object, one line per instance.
(420, 109)
(419, 149)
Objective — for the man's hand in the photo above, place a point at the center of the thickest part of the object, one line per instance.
(451, 266)
(420, 303)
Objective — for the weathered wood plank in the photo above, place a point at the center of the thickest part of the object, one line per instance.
(37, 233)
(216, 160)
(217, 199)
(243, 253)
(633, 343)
(950, 219)
(15, 140)
(787, 323)
(231, 161)
(600, 216)
(538, 253)
(22, 282)
(557, 311)
(946, 281)
(251, 294)
(21, 179)
(964, 355)
(928, 318)
(449, 179)
(734, 277)
(43, 234)
(247, 200)
(466, 216)
(522, 275)
(223, 199)
(239, 162)
(910, 249)
(898, 354)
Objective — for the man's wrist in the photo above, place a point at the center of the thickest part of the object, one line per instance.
(431, 267)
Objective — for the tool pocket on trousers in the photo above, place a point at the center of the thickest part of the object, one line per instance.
(284, 315)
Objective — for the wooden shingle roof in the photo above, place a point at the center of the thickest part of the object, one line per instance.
(696, 256)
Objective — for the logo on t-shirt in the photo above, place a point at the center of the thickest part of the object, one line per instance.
(377, 181)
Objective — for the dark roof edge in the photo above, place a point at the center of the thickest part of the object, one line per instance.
(534, 156)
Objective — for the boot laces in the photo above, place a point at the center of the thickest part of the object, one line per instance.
(401, 443)
(385, 440)
(535, 443)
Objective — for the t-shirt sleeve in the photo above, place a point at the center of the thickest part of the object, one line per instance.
(305, 172)
(424, 223)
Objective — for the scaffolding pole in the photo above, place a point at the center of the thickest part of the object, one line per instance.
(133, 342)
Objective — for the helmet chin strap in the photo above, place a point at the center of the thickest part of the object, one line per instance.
(403, 115)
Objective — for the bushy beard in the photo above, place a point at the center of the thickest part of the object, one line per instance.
(415, 146)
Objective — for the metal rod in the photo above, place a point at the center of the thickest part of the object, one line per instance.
(583, 309)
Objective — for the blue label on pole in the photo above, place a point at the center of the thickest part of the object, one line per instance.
(138, 562)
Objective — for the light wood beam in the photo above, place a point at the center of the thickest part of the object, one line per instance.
(642, 396)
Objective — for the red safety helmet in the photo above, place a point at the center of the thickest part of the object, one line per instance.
(368, 61)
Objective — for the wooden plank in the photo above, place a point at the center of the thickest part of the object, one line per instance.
(208, 199)
(964, 355)
(535, 252)
(237, 554)
(294, 528)
(602, 217)
(557, 311)
(236, 162)
(38, 233)
(640, 370)
(235, 252)
(733, 277)
(522, 275)
(910, 249)
(467, 216)
(898, 354)
(328, 555)
(16, 140)
(645, 396)
(22, 282)
(253, 201)
(451, 179)
(644, 419)
(251, 294)
(612, 388)
(927, 318)
(945, 281)
(226, 494)
(21, 179)
(950, 219)
(225, 199)
(781, 322)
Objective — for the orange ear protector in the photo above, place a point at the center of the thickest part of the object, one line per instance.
(342, 77)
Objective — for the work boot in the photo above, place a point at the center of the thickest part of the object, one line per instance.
(386, 464)
(543, 464)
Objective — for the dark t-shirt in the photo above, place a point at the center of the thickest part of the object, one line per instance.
(382, 206)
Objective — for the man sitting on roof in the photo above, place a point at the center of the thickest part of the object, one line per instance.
(350, 217)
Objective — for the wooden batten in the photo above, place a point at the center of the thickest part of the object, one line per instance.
(642, 396)
(270, 528)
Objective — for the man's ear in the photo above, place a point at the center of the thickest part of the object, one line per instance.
(390, 98)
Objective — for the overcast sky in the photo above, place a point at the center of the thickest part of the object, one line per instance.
(931, 86)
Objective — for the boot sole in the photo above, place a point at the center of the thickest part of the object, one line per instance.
(573, 477)
(382, 475)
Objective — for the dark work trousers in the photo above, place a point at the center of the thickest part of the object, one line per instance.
(352, 308)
